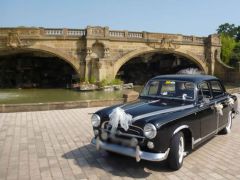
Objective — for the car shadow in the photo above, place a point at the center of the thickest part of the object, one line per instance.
(88, 157)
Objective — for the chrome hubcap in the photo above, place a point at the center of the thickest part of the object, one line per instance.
(181, 150)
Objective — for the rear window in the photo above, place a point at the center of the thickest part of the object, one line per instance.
(217, 89)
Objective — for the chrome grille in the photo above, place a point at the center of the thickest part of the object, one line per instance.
(132, 132)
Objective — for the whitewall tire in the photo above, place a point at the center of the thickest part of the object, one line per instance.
(176, 154)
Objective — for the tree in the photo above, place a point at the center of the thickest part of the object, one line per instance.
(229, 30)
(235, 55)
(230, 38)
(238, 34)
(228, 44)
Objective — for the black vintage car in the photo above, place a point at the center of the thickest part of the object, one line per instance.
(172, 116)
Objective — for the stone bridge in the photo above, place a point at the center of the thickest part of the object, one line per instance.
(101, 52)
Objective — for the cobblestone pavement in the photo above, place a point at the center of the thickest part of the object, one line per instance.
(56, 145)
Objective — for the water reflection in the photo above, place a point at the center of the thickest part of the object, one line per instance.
(16, 96)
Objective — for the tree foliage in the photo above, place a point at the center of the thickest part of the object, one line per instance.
(228, 44)
(235, 55)
(230, 38)
(229, 30)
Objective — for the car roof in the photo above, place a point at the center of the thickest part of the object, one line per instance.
(196, 78)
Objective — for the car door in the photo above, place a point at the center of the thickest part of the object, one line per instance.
(206, 113)
(219, 97)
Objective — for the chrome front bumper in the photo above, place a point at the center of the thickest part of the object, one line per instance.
(128, 151)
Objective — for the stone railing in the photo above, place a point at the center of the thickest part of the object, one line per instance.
(138, 35)
(187, 38)
(126, 34)
(76, 32)
(193, 39)
(135, 35)
(118, 34)
(54, 32)
(99, 32)
(68, 32)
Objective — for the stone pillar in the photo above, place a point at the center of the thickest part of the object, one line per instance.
(212, 45)
(82, 70)
(126, 34)
(88, 63)
(65, 32)
(42, 32)
(145, 35)
(106, 31)
(87, 69)
(129, 96)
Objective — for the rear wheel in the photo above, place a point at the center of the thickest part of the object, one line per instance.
(176, 154)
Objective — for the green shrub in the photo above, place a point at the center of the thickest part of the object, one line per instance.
(92, 80)
(116, 81)
(228, 44)
(106, 82)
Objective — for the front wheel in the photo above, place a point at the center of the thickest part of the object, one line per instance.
(176, 154)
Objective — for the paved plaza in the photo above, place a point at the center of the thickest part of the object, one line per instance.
(56, 145)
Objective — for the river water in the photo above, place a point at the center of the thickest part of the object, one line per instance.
(17, 96)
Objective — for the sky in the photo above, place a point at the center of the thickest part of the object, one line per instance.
(190, 17)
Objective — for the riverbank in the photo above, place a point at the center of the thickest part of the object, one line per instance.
(4, 108)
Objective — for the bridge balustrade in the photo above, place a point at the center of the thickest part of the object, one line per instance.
(135, 35)
(101, 32)
(200, 39)
(116, 33)
(53, 31)
(76, 32)
(188, 38)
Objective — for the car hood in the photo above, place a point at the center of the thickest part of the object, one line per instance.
(143, 109)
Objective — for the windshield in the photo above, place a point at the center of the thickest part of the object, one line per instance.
(169, 89)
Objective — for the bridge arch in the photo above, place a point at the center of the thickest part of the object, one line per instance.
(49, 50)
(40, 57)
(123, 61)
(62, 55)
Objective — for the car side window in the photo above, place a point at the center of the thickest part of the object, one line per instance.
(217, 89)
(204, 91)
(152, 88)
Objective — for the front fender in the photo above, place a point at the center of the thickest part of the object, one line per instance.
(166, 132)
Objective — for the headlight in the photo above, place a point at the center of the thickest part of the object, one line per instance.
(95, 120)
(150, 131)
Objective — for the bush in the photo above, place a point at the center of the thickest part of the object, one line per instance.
(235, 55)
(102, 83)
(92, 80)
(106, 82)
(116, 81)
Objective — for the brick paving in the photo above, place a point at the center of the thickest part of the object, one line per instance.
(56, 145)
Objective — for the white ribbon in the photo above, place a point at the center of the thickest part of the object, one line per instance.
(230, 101)
(118, 116)
(219, 108)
